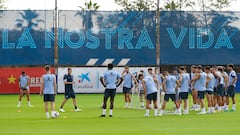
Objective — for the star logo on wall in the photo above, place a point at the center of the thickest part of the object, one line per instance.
(12, 79)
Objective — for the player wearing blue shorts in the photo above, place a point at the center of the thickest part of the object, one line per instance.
(128, 79)
(184, 81)
(170, 83)
(110, 80)
(150, 92)
(231, 87)
(24, 82)
(69, 91)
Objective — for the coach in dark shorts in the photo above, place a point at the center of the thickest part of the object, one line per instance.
(69, 92)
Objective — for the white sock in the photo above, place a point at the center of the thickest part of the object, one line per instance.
(29, 103)
(209, 109)
(180, 107)
(161, 111)
(203, 109)
(179, 111)
(234, 106)
(155, 112)
(19, 102)
(213, 109)
(104, 112)
(126, 104)
(142, 103)
(110, 112)
(147, 111)
(47, 114)
(226, 107)
(53, 112)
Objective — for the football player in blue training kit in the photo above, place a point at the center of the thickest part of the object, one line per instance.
(111, 79)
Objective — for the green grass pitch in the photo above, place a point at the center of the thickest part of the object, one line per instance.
(32, 121)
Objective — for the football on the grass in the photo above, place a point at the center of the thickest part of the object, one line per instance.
(56, 114)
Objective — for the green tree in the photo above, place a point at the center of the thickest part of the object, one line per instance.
(87, 12)
(137, 5)
(29, 19)
(90, 6)
(2, 6)
(202, 5)
(178, 4)
(214, 5)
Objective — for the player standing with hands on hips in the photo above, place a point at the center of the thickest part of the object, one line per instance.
(69, 92)
(110, 80)
(48, 89)
(24, 82)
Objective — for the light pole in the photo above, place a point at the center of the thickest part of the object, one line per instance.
(158, 35)
(158, 47)
(56, 38)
